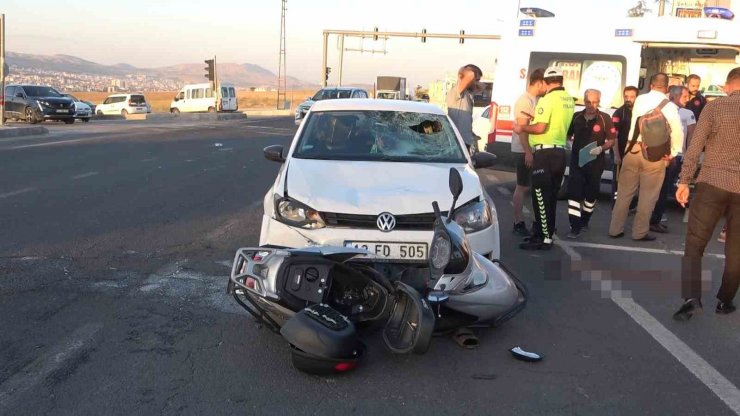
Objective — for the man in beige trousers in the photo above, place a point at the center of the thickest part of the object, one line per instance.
(639, 172)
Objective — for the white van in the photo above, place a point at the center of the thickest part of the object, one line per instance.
(194, 98)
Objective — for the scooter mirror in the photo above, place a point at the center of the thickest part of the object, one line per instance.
(456, 184)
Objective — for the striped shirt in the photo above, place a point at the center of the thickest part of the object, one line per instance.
(718, 135)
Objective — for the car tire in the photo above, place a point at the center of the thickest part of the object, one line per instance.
(98, 113)
(70, 121)
(124, 112)
(30, 117)
(175, 111)
(211, 110)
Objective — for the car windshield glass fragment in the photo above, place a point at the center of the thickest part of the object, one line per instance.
(32, 91)
(379, 136)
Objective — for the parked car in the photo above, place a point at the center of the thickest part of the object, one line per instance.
(83, 110)
(123, 104)
(36, 103)
(328, 93)
(195, 98)
(363, 173)
(482, 127)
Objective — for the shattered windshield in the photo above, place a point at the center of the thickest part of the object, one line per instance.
(379, 135)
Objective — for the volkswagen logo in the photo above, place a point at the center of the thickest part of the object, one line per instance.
(386, 222)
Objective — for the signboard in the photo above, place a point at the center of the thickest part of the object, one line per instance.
(688, 8)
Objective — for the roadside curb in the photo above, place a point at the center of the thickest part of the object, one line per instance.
(175, 117)
(269, 112)
(22, 131)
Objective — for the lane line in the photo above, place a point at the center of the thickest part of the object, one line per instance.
(85, 175)
(72, 347)
(700, 368)
(636, 249)
(18, 192)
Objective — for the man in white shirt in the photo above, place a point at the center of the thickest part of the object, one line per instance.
(638, 171)
(678, 95)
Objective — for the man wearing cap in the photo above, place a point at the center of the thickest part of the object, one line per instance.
(547, 137)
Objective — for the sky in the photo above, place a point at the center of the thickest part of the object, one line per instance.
(153, 33)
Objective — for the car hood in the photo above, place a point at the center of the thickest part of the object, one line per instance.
(307, 104)
(53, 100)
(82, 106)
(370, 188)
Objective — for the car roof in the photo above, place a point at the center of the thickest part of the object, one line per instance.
(355, 104)
(342, 89)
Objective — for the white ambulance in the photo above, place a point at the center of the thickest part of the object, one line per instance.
(608, 54)
(199, 98)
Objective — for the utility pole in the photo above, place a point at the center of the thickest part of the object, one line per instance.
(282, 75)
(341, 57)
(2, 69)
(661, 7)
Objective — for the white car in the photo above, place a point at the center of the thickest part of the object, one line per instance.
(123, 104)
(194, 98)
(482, 127)
(364, 173)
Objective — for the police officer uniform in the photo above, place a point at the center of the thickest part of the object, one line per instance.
(555, 109)
(584, 181)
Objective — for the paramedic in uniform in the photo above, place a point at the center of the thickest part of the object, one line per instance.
(547, 138)
(588, 126)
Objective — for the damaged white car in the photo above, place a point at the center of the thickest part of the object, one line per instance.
(361, 173)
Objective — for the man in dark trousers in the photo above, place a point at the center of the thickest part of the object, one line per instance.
(593, 128)
(717, 194)
(622, 118)
(547, 138)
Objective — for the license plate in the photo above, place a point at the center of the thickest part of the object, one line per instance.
(62, 111)
(392, 251)
(139, 108)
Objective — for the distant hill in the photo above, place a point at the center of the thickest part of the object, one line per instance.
(243, 75)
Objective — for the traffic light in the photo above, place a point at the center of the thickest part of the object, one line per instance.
(210, 69)
(423, 38)
(375, 37)
(462, 39)
(328, 70)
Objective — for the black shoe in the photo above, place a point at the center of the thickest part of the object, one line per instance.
(574, 234)
(520, 229)
(688, 309)
(535, 244)
(646, 237)
(659, 228)
(725, 308)
(584, 227)
(620, 235)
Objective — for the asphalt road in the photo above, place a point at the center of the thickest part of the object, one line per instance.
(116, 240)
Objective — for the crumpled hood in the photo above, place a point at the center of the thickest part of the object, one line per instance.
(371, 188)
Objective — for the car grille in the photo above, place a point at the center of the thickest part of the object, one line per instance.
(416, 222)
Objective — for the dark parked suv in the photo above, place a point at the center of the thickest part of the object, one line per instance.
(34, 103)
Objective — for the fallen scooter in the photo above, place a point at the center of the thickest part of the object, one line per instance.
(316, 297)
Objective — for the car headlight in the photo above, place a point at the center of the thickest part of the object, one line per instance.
(473, 216)
(44, 104)
(440, 251)
(294, 213)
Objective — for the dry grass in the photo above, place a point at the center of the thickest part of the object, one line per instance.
(160, 101)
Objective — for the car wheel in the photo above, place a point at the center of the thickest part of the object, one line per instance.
(175, 111)
(99, 113)
(124, 112)
(70, 121)
(30, 117)
(211, 110)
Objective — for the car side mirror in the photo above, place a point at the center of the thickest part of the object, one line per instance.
(177, 98)
(483, 160)
(274, 153)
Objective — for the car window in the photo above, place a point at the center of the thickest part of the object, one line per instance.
(119, 99)
(198, 93)
(138, 99)
(36, 91)
(379, 135)
(224, 92)
(486, 113)
(108, 100)
(9, 92)
(209, 93)
(182, 95)
(232, 92)
(344, 94)
(363, 94)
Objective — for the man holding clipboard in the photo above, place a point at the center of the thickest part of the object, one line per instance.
(592, 132)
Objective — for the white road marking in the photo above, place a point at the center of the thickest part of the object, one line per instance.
(700, 368)
(18, 192)
(503, 190)
(55, 143)
(636, 249)
(151, 159)
(35, 373)
(84, 175)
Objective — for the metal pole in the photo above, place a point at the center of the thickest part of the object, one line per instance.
(2, 69)
(661, 8)
(323, 60)
(216, 92)
(341, 57)
(367, 34)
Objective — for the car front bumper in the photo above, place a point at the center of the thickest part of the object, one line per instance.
(276, 233)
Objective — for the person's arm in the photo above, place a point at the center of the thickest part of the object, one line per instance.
(571, 129)
(610, 131)
(541, 118)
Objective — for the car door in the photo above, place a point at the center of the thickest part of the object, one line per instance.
(8, 97)
(19, 102)
(482, 127)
